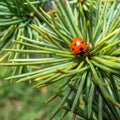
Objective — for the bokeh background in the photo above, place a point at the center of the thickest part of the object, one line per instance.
(20, 101)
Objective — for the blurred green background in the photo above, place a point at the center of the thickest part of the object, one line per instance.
(20, 101)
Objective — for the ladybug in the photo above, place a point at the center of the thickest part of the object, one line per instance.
(78, 46)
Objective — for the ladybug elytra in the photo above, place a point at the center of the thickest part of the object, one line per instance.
(78, 46)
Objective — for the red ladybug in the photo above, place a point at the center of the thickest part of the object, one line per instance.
(78, 46)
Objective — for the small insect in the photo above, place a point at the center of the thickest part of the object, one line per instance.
(78, 46)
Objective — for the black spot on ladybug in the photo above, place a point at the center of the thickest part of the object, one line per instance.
(82, 42)
(75, 44)
(81, 49)
(73, 49)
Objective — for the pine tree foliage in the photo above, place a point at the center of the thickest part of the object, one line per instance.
(36, 48)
